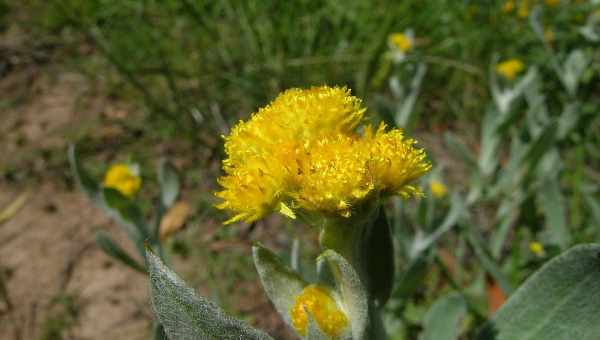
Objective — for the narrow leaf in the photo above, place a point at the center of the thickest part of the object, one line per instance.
(280, 282)
(186, 316)
(85, 181)
(459, 149)
(352, 291)
(412, 278)
(114, 250)
(488, 263)
(553, 205)
(443, 318)
(127, 214)
(380, 259)
(422, 243)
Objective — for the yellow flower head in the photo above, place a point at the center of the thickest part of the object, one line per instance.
(508, 6)
(438, 189)
(303, 152)
(123, 178)
(536, 248)
(552, 3)
(509, 69)
(401, 41)
(323, 309)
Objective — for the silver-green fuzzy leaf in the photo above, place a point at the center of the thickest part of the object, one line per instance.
(560, 301)
(314, 332)
(352, 292)
(280, 282)
(186, 316)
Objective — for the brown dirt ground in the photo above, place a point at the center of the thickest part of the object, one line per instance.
(47, 248)
(56, 276)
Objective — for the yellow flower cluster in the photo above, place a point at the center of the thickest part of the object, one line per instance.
(509, 69)
(318, 302)
(401, 41)
(123, 178)
(303, 151)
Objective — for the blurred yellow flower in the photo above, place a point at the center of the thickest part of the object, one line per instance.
(509, 69)
(552, 3)
(549, 36)
(524, 8)
(401, 41)
(508, 6)
(438, 189)
(536, 248)
(323, 309)
(303, 152)
(123, 178)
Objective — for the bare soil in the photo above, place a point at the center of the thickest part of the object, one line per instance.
(59, 284)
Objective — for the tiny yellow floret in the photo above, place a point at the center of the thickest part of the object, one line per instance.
(438, 189)
(536, 248)
(508, 6)
(323, 309)
(524, 8)
(401, 41)
(509, 69)
(123, 178)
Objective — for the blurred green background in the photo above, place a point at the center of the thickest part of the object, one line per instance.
(140, 80)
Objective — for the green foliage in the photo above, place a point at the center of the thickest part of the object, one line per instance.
(186, 316)
(380, 266)
(62, 316)
(560, 301)
(442, 321)
(522, 163)
(114, 250)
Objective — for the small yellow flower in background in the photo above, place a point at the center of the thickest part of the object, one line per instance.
(438, 189)
(536, 248)
(401, 41)
(552, 3)
(303, 152)
(322, 307)
(400, 44)
(524, 8)
(549, 35)
(509, 69)
(123, 178)
(508, 6)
